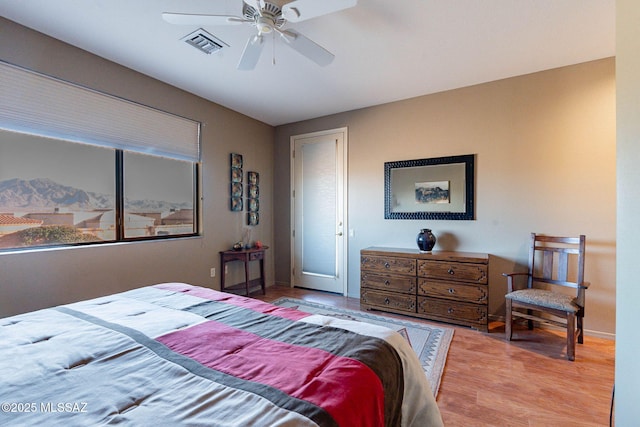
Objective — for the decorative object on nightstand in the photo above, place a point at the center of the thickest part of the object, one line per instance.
(426, 240)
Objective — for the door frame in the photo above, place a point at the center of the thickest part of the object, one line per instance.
(345, 198)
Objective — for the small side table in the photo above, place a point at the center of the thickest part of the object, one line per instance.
(244, 255)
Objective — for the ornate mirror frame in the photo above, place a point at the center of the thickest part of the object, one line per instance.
(439, 188)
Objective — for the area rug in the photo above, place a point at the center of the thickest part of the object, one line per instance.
(431, 343)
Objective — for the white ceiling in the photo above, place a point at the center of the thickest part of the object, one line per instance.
(385, 50)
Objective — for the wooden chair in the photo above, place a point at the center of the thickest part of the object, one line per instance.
(554, 263)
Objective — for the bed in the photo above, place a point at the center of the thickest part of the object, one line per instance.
(177, 354)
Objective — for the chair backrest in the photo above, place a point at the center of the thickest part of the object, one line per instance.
(557, 261)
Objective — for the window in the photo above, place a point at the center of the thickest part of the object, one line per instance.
(56, 192)
(68, 178)
(158, 196)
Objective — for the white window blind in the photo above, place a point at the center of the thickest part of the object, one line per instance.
(40, 105)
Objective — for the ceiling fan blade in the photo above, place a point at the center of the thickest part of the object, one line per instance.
(189, 19)
(307, 47)
(301, 10)
(251, 53)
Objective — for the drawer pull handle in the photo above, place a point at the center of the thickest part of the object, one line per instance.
(386, 265)
(386, 301)
(451, 272)
(386, 282)
(452, 291)
(450, 310)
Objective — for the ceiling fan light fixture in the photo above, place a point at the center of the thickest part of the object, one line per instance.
(265, 24)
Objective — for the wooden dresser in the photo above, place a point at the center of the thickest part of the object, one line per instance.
(440, 285)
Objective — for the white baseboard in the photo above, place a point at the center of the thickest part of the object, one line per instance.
(587, 332)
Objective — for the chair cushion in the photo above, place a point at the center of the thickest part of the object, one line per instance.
(545, 298)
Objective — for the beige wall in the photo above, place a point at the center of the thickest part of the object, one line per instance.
(545, 162)
(34, 280)
(627, 410)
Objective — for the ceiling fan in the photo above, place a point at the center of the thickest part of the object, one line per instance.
(269, 17)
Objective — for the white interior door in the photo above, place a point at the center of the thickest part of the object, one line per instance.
(318, 243)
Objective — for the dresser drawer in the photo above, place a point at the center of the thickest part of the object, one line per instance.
(388, 300)
(463, 292)
(451, 311)
(256, 255)
(403, 284)
(384, 264)
(459, 271)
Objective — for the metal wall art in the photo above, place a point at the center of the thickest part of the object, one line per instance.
(236, 183)
(253, 198)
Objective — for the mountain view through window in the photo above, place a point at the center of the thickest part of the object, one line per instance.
(55, 192)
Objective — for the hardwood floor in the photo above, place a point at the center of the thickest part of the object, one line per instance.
(488, 381)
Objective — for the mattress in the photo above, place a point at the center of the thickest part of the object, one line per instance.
(177, 354)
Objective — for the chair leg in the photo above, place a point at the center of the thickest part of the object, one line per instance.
(580, 330)
(571, 336)
(508, 319)
(529, 321)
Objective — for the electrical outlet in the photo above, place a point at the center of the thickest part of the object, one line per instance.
(213, 272)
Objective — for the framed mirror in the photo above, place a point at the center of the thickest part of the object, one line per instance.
(437, 188)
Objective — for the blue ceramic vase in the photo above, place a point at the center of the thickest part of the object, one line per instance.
(426, 240)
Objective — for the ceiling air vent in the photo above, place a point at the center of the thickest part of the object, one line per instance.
(204, 41)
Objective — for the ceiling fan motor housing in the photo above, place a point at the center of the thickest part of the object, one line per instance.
(266, 19)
